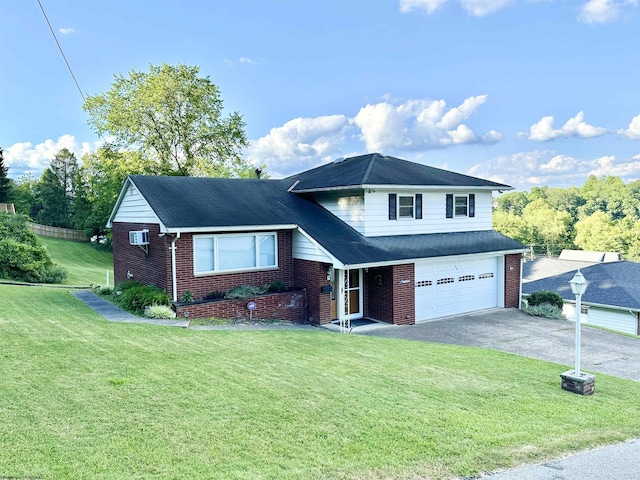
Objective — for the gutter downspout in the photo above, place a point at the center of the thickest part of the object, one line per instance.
(173, 267)
(520, 296)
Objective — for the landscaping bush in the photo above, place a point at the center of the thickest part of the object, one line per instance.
(276, 286)
(214, 296)
(245, 291)
(187, 297)
(22, 256)
(545, 310)
(545, 296)
(134, 296)
(159, 311)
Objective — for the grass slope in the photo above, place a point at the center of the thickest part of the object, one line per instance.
(85, 264)
(84, 398)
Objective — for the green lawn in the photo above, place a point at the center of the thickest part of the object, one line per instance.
(85, 264)
(84, 398)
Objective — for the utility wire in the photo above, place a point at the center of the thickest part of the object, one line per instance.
(68, 66)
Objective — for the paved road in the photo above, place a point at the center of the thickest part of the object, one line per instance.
(615, 462)
(510, 330)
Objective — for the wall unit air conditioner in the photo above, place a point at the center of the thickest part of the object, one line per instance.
(139, 237)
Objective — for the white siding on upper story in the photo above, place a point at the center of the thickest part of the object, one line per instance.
(305, 249)
(377, 223)
(134, 208)
(349, 209)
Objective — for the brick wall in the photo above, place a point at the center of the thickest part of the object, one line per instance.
(289, 306)
(312, 276)
(403, 298)
(378, 303)
(152, 268)
(512, 266)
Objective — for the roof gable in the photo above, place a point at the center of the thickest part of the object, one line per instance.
(375, 169)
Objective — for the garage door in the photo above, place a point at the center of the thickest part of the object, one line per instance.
(453, 287)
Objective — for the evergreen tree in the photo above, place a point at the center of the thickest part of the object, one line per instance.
(5, 181)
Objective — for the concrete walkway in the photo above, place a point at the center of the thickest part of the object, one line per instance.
(115, 314)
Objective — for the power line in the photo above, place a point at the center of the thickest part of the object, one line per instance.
(68, 65)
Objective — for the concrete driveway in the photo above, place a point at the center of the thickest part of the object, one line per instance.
(510, 330)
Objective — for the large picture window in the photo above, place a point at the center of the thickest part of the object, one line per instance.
(233, 252)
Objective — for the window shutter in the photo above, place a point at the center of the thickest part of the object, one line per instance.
(472, 204)
(418, 206)
(449, 205)
(392, 206)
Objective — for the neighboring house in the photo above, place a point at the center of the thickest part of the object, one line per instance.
(369, 236)
(612, 299)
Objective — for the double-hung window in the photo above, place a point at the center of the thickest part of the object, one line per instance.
(461, 205)
(405, 206)
(234, 252)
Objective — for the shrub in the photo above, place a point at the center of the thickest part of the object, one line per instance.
(545, 296)
(187, 297)
(159, 311)
(276, 286)
(135, 298)
(214, 296)
(121, 287)
(545, 310)
(245, 291)
(28, 262)
(105, 291)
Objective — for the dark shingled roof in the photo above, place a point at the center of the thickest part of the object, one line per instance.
(376, 169)
(613, 283)
(189, 203)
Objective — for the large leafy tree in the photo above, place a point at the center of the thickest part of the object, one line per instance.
(100, 180)
(54, 191)
(173, 116)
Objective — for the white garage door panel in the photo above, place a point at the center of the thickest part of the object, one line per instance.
(452, 287)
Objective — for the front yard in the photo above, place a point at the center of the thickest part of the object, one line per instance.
(84, 398)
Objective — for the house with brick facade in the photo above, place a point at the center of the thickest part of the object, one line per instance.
(371, 236)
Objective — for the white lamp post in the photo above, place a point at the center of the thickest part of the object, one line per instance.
(578, 287)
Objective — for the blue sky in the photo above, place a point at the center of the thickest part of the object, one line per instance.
(525, 92)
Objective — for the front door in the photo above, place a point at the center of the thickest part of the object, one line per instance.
(352, 293)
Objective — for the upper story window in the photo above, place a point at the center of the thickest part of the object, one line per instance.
(405, 206)
(234, 252)
(460, 205)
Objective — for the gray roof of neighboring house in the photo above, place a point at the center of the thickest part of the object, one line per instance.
(614, 283)
(376, 169)
(543, 267)
(589, 256)
(190, 203)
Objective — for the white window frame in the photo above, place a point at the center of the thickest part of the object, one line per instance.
(455, 212)
(216, 258)
(413, 207)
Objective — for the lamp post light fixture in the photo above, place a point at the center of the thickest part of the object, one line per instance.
(576, 381)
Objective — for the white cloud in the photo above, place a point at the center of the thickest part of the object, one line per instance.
(633, 132)
(299, 144)
(428, 6)
(604, 11)
(524, 170)
(543, 130)
(25, 157)
(250, 61)
(476, 8)
(67, 31)
(480, 8)
(419, 124)
(390, 127)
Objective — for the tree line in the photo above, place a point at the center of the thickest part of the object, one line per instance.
(602, 215)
